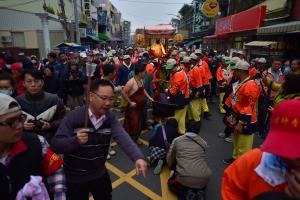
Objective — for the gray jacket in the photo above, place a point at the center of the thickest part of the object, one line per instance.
(189, 160)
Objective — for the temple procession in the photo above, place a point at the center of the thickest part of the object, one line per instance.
(145, 99)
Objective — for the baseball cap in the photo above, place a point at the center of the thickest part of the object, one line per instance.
(174, 53)
(193, 56)
(284, 135)
(242, 65)
(16, 66)
(262, 60)
(83, 55)
(227, 60)
(171, 63)
(235, 60)
(198, 51)
(182, 54)
(240, 52)
(8, 104)
(126, 57)
(186, 59)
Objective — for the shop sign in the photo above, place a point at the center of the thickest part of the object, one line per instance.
(224, 25)
(90, 31)
(247, 20)
(210, 8)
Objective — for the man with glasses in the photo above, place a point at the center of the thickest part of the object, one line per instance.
(23, 155)
(44, 110)
(85, 149)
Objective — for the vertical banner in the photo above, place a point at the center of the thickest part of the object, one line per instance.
(198, 17)
(102, 16)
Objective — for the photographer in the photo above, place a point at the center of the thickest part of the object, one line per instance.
(73, 82)
(44, 110)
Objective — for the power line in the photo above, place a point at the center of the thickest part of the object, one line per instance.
(153, 2)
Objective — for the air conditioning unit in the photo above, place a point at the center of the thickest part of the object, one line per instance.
(5, 39)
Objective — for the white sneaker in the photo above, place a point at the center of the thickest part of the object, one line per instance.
(228, 139)
(112, 152)
(108, 157)
(221, 135)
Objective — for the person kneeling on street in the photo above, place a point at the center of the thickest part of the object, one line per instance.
(187, 157)
(162, 137)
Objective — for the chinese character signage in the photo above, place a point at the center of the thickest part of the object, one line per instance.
(247, 20)
(199, 18)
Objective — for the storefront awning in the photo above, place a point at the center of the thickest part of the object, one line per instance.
(215, 36)
(68, 44)
(282, 28)
(94, 38)
(260, 43)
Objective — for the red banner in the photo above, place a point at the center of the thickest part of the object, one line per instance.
(247, 20)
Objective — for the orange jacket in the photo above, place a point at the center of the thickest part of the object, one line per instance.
(150, 69)
(207, 73)
(179, 83)
(252, 72)
(195, 75)
(244, 100)
(224, 75)
(240, 181)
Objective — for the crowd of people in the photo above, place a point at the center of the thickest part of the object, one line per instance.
(46, 143)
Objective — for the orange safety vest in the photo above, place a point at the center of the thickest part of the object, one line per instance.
(207, 73)
(150, 69)
(241, 182)
(179, 83)
(224, 75)
(252, 72)
(195, 77)
(244, 100)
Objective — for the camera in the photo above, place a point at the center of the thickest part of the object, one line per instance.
(37, 123)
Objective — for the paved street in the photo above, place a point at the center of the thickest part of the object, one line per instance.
(128, 186)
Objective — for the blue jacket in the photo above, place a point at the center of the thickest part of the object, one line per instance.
(123, 74)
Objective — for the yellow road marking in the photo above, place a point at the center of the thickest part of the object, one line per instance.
(164, 176)
(144, 142)
(121, 119)
(144, 189)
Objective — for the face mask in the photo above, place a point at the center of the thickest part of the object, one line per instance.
(7, 92)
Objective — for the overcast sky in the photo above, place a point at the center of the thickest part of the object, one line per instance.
(141, 14)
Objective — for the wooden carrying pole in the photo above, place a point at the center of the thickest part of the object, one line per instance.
(90, 69)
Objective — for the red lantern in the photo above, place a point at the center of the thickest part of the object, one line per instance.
(178, 38)
(140, 39)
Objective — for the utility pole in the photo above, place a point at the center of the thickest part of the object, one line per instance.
(63, 15)
(76, 22)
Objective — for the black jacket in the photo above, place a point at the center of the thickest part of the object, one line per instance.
(73, 82)
(45, 106)
(158, 139)
(51, 84)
